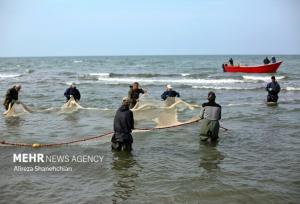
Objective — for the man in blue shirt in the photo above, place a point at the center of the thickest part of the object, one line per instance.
(169, 93)
(72, 91)
(273, 89)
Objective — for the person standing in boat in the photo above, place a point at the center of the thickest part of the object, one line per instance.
(273, 59)
(266, 60)
(231, 62)
(123, 125)
(72, 91)
(273, 88)
(134, 94)
(12, 96)
(210, 114)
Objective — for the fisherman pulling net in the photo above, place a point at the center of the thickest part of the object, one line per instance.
(18, 108)
(139, 110)
(12, 104)
(164, 114)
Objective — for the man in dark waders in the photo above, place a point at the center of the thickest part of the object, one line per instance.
(210, 115)
(273, 90)
(12, 96)
(123, 125)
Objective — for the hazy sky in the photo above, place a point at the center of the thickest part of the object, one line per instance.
(153, 27)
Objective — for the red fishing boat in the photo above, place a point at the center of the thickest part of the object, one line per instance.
(266, 68)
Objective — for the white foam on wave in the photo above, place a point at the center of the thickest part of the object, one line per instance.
(171, 81)
(69, 83)
(100, 74)
(9, 75)
(224, 87)
(289, 88)
(262, 78)
(243, 104)
(29, 71)
(77, 61)
(185, 74)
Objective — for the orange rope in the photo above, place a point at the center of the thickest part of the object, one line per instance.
(53, 144)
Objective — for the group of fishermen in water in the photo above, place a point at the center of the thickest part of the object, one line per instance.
(210, 113)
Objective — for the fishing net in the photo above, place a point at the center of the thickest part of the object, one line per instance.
(162, 113)
(16, 109)
(70, 106)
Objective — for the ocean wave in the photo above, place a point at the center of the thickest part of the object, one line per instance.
(289, 88)
(225, 87)
(142, 75)
(262, 78)
(100, 74)
(29, 71)
(69, 83)
(243, 104)
(96, 76)
(77, 61)
(171, 81)
(10, 75)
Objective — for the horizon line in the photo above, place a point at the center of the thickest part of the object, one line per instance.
(141, 55)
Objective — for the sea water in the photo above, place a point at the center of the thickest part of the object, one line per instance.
(256, 161)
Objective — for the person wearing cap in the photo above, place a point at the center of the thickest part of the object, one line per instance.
(273, 88)
(210, 114)
(273, 59)
(123, 125)
(12, 96)
(72, 91)
(169, 93)
(134, 94)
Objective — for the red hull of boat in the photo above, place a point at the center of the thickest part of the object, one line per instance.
(266, 68)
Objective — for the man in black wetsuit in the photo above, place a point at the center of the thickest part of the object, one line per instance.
(12, 96)
(123, 126)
